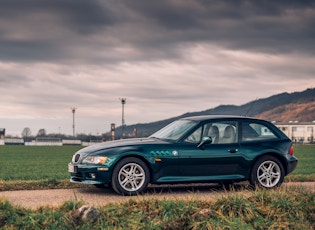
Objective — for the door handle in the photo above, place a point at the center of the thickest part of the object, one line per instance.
(233, 150)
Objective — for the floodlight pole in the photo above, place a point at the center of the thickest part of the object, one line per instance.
(123, 102)
(73, 123)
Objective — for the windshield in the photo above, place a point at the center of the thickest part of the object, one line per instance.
(175, 130)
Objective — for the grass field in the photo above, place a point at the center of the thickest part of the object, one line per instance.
(305, 170)
(306, 156)
(35, 162)
(24, 163)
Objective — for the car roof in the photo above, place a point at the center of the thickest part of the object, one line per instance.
(209, 117)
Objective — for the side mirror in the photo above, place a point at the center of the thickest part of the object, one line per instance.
(204, 141)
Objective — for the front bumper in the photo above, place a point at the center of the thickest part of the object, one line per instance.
(88, 174)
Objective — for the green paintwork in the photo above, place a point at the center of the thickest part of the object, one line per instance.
(179, 160)
(161, 153)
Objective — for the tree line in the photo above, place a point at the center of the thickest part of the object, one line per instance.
(28, 136)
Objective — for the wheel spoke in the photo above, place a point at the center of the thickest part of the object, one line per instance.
(275, 174)
(124, 173)
(124, 182)
(262, 176)
(132, 169)
(264, 168)
(268, 182)
(270, 166)
(134, 185)
(139, 174)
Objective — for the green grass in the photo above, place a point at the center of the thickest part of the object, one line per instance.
(260, 209)
(305, 170)
(35, 162)
(306, 156)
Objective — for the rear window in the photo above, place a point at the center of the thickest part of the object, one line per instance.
(255, 132)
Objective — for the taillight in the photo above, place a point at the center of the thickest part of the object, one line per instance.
(291, 150)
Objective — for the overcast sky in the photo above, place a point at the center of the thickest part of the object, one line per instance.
(166, 57)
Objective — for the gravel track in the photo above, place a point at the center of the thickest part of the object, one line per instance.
(98, 197)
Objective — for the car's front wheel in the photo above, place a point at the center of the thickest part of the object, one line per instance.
(267, 172)
(130, 176)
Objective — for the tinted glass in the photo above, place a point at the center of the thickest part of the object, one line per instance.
(175, 130)
(195, 137)
(224, 132)
(255, 132)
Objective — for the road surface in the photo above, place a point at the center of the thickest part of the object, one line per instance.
(98, 197)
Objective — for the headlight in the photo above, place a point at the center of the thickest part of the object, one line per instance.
(94, 160)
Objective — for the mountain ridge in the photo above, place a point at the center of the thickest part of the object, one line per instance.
(283, 107)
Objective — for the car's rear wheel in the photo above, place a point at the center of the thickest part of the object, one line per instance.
(267, 172)
(130, 176)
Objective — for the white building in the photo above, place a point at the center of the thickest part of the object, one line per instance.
(298, 132)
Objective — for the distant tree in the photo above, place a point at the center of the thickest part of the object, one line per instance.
(88, 138)
(41, 133)
(26, 132)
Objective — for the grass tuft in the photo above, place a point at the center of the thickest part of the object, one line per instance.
(259, 209)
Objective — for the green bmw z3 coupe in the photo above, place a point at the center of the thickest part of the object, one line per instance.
(222, 149)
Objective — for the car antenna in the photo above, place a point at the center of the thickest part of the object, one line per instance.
(250, 107)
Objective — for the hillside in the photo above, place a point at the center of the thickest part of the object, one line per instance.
(291, 112)
(284, 107)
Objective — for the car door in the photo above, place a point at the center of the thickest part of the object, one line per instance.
(220, 160)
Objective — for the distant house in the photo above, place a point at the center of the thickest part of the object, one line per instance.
(298, 132)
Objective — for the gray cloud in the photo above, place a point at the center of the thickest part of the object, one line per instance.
(52, 30)
(167, 57)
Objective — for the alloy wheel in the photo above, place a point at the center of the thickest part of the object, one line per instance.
(131, 177)
(268, 174)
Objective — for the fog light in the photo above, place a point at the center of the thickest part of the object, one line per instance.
(92, 175)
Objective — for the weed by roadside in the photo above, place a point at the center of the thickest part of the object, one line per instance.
(292, 208)
(38, 184)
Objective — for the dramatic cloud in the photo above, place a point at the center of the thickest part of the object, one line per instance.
(166, 57)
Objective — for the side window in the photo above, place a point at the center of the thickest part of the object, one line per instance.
(228, 132)
(195, 137)
(224, 132)
(255, 132)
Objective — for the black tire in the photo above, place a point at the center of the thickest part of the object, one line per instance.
(267, 172)
(130, 176)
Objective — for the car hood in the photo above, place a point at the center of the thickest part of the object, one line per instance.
(134, 142)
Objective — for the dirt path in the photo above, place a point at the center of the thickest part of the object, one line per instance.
(94, 196)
